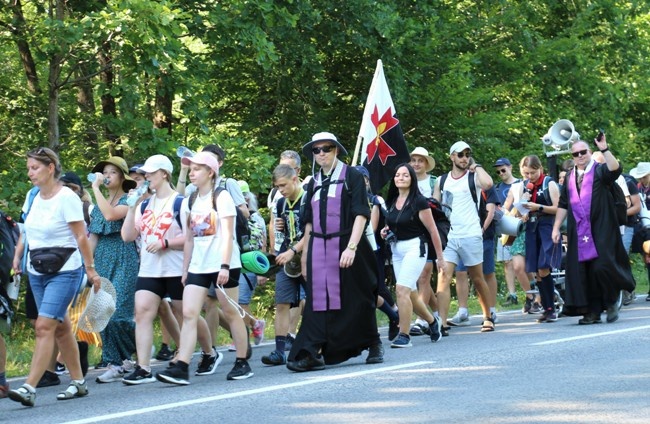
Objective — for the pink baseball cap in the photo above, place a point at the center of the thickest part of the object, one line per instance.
(203, 158)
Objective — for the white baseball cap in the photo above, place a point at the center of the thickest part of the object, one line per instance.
(157, 162)
(458, 147)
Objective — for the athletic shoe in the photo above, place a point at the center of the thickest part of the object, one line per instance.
(375, 354)
(628, 298)
(258, 331)
(458, 320)
(240, 371)
(139, 376)
(59, 369)
(527, 306)
(23, 395)
(308, 363)
(402, 340)
(174, 375)
(232, 348)
(435, 329)
(274, 358)
(289, 342)
(113, 373)
(74, 390)
(48, 379)
(444, 331)
(393, 329)
(209, 363)
(165, 353)
(536, 308)
(511, 300)
(494, 317)
(547, 316)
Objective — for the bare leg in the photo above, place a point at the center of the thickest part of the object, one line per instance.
(146, 308)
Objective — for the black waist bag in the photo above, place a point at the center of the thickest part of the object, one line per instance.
(49, 260)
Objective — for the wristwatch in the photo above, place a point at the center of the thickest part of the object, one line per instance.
(541, 208)
(352, 246)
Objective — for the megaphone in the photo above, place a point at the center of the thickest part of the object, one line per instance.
(561, 133)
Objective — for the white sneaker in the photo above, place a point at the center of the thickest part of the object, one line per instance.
(112, 374)
(458, 320)
(421, 322)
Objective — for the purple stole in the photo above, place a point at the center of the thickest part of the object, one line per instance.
(325, 250)
(581, 207)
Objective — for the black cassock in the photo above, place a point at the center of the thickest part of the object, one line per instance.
(593, 285)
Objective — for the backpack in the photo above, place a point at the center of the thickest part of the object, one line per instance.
(242, 230)
(178, 201)
(440, 214)
(471, 182)
(257, 232)
(9, 234)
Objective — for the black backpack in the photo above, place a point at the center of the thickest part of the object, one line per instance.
(9, 234)
(242, 231)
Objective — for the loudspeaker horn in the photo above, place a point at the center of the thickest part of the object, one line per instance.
(562, 133)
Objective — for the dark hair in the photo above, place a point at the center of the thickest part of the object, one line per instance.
(47, 156)
(283, 171)
(216, 150)
(393, 191)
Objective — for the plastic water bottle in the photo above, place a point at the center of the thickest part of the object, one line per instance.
(137, 194)
(184, 152)
(13, 287)
(92, 177)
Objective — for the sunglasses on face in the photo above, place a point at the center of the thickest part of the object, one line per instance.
(502, 171)
(324, 149)
(464, 155)
(579, 153)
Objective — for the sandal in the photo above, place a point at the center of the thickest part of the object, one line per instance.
(74, 390)
(488, 325)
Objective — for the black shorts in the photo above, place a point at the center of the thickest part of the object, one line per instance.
(162, 286)
(209, 280)
(31, 310)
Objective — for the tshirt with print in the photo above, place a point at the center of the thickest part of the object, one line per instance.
(158, 223)
(207, 232)
(46, 224)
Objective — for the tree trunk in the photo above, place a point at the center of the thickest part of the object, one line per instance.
(163, 111)
(53, 87)
(109, 109)
(23, 48)
(86, 103)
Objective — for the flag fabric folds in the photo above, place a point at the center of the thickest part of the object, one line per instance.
(383, 145)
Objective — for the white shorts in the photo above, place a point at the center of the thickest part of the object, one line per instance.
(469, 250)
(407, 262)
(503, 252)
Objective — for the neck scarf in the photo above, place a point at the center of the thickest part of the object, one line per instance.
(581, 208)
(538, 184)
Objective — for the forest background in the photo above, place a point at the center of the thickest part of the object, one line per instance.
(134, 78)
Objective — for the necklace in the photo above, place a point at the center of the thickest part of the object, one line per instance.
(112, 201)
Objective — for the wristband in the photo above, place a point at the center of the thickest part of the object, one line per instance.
(294, 250)
(606, 149)
(225, 266)
(182, 181)
(166, 244)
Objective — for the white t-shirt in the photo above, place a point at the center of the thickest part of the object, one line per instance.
(206, 229)
(46, 224)
(425, 186)
(464, 215)
(155, 224)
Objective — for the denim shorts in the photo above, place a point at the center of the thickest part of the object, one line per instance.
(247, 284)
(54, 292)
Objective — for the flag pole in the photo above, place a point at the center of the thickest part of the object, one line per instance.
(357, 148)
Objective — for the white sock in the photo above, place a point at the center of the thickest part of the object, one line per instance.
(463, 312)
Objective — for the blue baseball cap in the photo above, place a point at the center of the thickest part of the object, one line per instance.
(502, 162)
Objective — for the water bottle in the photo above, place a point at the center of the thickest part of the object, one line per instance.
(137, 194)
(92, 177)
(184, 152)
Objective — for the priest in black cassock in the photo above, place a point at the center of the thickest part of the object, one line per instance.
(339, 266)
(597, 266)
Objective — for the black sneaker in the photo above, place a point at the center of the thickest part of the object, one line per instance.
(527, 306)
(435, 329)
(241, 370)
(209, 363)
(165, 353)
(48, 379)
(274, 358)
(60, 369)
(174, 375)
(139, 376)
(290, 339)
(375, 354)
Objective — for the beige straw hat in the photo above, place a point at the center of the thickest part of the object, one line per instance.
(100, 308)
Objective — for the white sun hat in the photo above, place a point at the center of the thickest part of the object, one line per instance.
(100, 308)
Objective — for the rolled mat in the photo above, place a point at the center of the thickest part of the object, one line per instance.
(255, 262)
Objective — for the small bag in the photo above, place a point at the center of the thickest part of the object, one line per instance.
(49, 260)
(6, 315)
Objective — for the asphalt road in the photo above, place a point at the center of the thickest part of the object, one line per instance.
(524, 372)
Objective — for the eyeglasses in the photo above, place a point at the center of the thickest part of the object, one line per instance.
(579, 153)
(502, 171)
(324, 149)
(464, 154)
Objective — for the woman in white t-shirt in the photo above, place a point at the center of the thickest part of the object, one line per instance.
(54, 220)
(211, 256)
(157, 224)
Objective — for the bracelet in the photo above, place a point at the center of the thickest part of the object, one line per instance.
(225, 266)
(90, 266)
(294, 250)
(166, 244)
(606, 149)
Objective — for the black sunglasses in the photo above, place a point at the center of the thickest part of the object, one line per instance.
(324, 149)
(502, 171)
(579, 153)
(464, 154)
